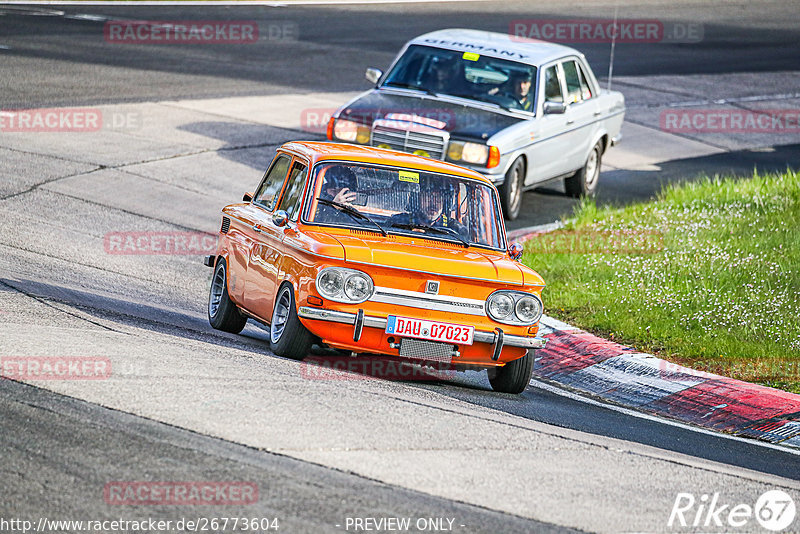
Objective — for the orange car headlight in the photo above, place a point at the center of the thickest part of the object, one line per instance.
(514, 307)
(344, 285)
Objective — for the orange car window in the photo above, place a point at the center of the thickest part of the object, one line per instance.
(294, 190)
(267, 193)
(404, 201)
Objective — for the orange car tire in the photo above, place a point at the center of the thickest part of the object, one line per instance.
(222, 312)
(288, 337)
(514, 376)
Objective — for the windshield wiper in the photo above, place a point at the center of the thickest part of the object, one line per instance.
(474, 98)
(413, 87)
(465, 95)
(443, 230)
(403, 85)
(354, 213)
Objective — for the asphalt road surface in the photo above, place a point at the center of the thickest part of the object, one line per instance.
(186, 403)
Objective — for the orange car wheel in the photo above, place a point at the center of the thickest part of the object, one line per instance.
(287, 335)
(222, 312)
(514, 376)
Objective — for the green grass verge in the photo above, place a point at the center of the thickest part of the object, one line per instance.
(707, 275)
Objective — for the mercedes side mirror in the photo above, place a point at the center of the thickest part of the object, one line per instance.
(373, 74)
(554, 108)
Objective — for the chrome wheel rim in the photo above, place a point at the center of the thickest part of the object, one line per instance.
(217, 289)
(592, 169)
(280, 315)
(515, 189)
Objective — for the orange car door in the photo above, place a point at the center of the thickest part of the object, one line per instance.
(256, 215)
(265, 259)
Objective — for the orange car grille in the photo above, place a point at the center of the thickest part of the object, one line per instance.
(418, 349)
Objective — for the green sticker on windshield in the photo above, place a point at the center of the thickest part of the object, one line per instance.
(471, 56)
(407, 176)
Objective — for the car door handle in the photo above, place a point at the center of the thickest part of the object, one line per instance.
(570, 121)
(596, 113)
(257, 227)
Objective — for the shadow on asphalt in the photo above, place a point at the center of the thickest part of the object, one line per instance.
(139, 315)
(248, 144)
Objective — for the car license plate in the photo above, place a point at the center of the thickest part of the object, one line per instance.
(430, 330)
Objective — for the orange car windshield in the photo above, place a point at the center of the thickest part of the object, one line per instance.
(405, 201)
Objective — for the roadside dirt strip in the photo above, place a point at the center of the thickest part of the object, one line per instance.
(618, 374)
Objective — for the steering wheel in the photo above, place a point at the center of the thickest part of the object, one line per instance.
(506, 100)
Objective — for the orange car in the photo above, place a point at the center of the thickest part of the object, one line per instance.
(373, 251)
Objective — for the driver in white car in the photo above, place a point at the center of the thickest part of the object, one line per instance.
(520, 85)
(522, 91)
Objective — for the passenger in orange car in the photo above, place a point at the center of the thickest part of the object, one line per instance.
(340, 187)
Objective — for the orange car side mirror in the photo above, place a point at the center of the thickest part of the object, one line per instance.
(247, 197)
(280, 218)
(515, 251)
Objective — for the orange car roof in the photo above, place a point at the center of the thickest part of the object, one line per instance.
(319, 151)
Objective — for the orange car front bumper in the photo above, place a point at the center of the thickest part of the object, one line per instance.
(493, 340)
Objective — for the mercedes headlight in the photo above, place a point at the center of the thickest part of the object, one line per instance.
(474, 153)
(351, 132)
(344, 285)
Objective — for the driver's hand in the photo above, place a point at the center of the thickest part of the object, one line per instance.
(494, 90)
(345, 196)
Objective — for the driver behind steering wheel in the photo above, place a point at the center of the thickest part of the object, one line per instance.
(430, 208)
(520, 85)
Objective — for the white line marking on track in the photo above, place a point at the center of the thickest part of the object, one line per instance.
(93, 18)
(633, 413)
(224, 2)
(720, 101)
(37, 12)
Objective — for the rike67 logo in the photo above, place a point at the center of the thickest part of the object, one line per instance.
(774, 510)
